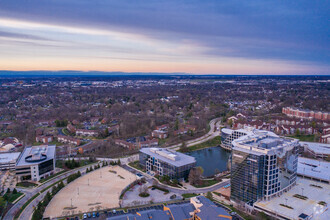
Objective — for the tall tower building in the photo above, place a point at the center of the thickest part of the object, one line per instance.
(263, 165)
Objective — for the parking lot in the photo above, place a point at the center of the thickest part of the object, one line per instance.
(95, 191)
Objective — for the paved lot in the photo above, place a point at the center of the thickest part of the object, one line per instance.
(132, 197)
(97, 190)
(309, 206)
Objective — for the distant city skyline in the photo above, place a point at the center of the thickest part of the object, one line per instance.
(193, 37)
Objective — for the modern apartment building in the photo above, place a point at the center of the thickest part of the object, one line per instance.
(263, 165)
(228, 135)
(162, 162)
(36, 162)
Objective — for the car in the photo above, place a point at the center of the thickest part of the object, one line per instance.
(85, 216)
(76, 218)
(89, 215)
(153, 188)
(233, 213)
(173, 196)
(114, 211)
(97, 214)
(94, 215)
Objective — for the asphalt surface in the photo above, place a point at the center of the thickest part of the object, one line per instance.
(29, 194)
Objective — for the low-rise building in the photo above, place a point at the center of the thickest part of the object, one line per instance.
(159, 134)
(8, 160)
(68, 139)
(317, 150)
(166, 162)
(125, 144)
(44, 139)
(86, 132)
(36, 162)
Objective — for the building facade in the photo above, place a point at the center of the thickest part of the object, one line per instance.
(228, 135)
(163, 162)
(36, 162)
(306, 114)
(263, 165)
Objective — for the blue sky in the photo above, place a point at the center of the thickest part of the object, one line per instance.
(199, 37)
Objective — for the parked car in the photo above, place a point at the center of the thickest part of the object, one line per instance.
(114, 211)
(89, 215)
(85, 216)
(94, 215)
(153, 188)
(173, 196)
(97, 214)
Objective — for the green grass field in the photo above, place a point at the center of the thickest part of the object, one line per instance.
(210, 143)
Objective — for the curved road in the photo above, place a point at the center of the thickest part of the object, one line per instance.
(26, 214)
(29, 209)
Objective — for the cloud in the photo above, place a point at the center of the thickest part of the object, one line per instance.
(278, 30)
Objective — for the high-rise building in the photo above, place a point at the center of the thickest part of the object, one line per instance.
(263, 165)
(228, 135)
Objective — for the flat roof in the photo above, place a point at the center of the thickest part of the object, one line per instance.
(172, 157)
(36, 154)
(319, 148)
(315, 193)
(9, 157)
(314, 168)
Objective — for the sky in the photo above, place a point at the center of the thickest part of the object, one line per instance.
(169, 36)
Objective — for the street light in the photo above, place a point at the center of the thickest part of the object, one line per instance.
(286, 201)
(78, 191)
(302, 191)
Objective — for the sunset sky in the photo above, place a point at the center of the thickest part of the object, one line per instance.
(198, 37)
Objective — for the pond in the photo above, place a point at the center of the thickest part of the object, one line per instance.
(210, 159)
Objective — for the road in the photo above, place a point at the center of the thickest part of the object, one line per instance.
(29, 194)
(214, 131)
(26, 214)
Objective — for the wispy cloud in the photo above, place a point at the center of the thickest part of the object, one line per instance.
(196, 36)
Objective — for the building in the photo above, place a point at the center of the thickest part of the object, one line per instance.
(125, 144)
(67, 139)
(44, 139)
(199, 208)
(9, 144)
(314, 169)
(159, 134)
(163, 162)
(306, 114)
(263, 165)
(317, 150)
(36, 162)
(8, 160)
(228, 135)
(86, 132)
(325, 137)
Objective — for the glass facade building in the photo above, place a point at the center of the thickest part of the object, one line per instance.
(263, 165)
(165, 162)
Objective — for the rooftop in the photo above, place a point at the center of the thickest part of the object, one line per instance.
(318, 148)
(169, 156)
(315, 193)
(314, 168)
(36, 154)
(262, 142)
(9, 157)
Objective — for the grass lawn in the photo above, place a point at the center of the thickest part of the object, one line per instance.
(207, 183)
(12, 197)
(189, 195)
(26, 184)
(210, 143)
(308, 138)
(136, 165)
(56, 174)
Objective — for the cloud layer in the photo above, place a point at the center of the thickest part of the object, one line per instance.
(240, 37)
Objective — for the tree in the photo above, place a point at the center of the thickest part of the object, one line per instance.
(195, 175)
(176, 126)
(230, 123)
(297, 132)
(183, 147)
(209, 195)
(8, 191)
(14, 191)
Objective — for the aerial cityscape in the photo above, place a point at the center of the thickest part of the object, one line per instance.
(165, 110)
